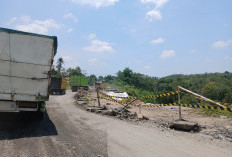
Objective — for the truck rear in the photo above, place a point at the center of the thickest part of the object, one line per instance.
(58, 85)
(25, 66)
(79, 81)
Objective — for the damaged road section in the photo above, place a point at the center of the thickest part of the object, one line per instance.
(118, 112)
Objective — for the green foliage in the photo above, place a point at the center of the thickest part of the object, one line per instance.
(68, 86)
(59, 64)
(100, 78)
(74, 72)
(217, 113)
(210, 90)
(109, 78)
(92, 78)
(216, 86)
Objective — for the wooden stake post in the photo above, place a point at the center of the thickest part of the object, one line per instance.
(98, 98)
(180, 117)
(200, 96)
(140, 116)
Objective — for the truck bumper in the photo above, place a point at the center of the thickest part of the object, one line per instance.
(13, 106)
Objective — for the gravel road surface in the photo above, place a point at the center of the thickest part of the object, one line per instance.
(70, 131)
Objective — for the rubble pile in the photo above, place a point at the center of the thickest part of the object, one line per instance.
(119, 112)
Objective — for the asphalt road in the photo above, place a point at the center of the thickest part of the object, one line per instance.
(69, 131)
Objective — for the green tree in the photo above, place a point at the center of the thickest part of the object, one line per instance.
(92, 78)
(74, 72)
(109, 78)
(210, 90)
(59, 64)
(100, 78)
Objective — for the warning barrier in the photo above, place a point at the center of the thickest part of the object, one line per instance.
(207, 107)
(116, 101)
(110, 98)
(223, 103)
(143, 97)
(162, 105)
(192, 106)
(117, 96)
(174, 104)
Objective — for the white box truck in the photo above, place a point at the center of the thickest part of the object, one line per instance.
(25, 70)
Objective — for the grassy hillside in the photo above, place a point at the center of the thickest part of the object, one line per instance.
(216, 86)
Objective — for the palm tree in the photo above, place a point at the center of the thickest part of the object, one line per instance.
(59, 64)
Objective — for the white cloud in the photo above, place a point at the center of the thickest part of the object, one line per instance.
(91, 36)
(158, 3)
(12, 20)
(98, 46)
(154, 14)
(138, 61)
(96, 3)
(158, 41)
(167, 53)
(222, 44)
(25, 23)
(227, 58)
(147, 67)
(67, 58)
(69, 30)
(133, 30)
(208, 60)
(92, 60)
(71, 16)
(193, 51)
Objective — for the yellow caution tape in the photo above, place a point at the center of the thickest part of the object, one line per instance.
(208, 107)
(116, 101)
(174, 104)
(223, 103)
(143, 97)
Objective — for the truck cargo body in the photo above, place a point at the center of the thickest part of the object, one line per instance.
(79, 81)
(25, 65)
(58, 85)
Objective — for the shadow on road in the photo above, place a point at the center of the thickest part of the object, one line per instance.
(24, 124)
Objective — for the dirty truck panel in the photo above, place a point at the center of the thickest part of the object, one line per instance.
(25, 65)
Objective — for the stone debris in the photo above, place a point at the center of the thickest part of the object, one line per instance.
(119, 112)
(185, 126)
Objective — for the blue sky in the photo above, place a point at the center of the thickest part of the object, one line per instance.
(153, 37)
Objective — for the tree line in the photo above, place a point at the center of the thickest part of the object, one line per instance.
(58, 70)
(216, 86)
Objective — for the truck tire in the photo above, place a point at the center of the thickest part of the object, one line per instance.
(74, 89)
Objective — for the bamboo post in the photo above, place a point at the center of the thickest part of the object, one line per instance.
(179, 103)
(140, 109)
(98, 98)
(200, 96)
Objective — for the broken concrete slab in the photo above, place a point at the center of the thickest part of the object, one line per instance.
(106, 112)
(107, 107)
(113, 113)
(94, 108)
(140, 116)
(98, 111)
(185, 126)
